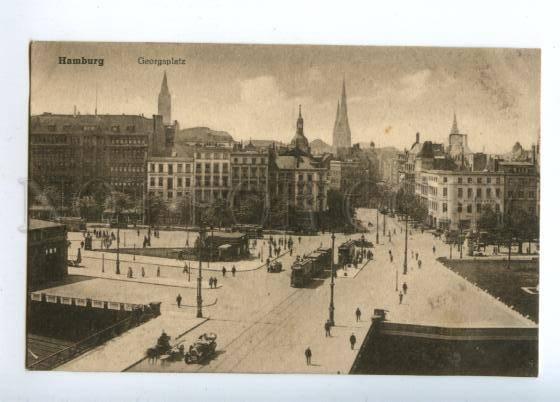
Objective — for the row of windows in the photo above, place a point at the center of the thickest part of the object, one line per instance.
(211, 155)
(200, 195)
(127, 168)
(479, 180)
(521, 194)
(252, 161)
(469, 208)
(488, 192)
(199, 181)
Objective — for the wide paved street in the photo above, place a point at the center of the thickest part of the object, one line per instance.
(264, 325)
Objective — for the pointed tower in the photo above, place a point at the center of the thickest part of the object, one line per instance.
(342, 136)
(454, 127)
(299, 142)
(164, 101)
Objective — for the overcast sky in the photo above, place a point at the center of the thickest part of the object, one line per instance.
(254, 91)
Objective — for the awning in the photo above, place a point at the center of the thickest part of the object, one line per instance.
(224, 246)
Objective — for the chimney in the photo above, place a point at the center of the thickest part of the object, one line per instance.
(75, 110)
(534, 149)
(417, 138)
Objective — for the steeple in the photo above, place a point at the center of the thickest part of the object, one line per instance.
(342, 136)
(164, 101)
(454, 128)
(299, 142)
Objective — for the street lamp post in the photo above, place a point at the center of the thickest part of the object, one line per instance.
(199, 279)
(118, 270)
(396, 279)
(331, 305)
(377, 225)
(384, 221)
(405, 243)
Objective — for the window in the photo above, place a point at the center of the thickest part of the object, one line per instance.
(469, 193)
(179, 168)
(187, 168)
(152, 181)
(445, 179)
(169, 182)
(497, 180)
(531, 194)
(520, 194)
(488, 180)
(187, 182)
(478, 192)
(234, 160)
(479, 180)
(460, 180)
(198, 168)
(170, 168)
(179, 182)
(498, 192)
(216, 167)
(459, 207)
(478, 208)
(498, 208)
(488, 192)
(152, 167)
(469, 180)
(469, 208)
(460, 192)
(254, 161)
(160, 168)
(445, 191)
(207, 168)
(170, 194)
(160, 181)
(510, 194)
(224, 181)
(224, 167)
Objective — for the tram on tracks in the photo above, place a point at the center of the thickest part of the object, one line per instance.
(310, 266)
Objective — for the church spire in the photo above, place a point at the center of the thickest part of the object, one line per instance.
(454, 127)
(164, 101)
(342, 136)
(300, 122)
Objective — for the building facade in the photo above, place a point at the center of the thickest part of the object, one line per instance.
(299, 180)
(249, 173)
(69, 153)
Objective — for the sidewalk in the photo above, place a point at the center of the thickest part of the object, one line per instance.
(125, 350)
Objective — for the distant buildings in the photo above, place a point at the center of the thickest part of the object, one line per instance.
(456, 183)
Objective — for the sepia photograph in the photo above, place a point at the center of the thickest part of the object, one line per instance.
(283, 209)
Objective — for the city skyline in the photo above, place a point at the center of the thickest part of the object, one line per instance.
(392, 92)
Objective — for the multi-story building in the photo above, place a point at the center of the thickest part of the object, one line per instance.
(249, 173)
(170, 177)
(72, 152)
(299, 178)
(521, 187)
(454, 196)
(212, 174)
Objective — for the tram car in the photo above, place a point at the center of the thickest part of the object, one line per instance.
(346, 252)
(310, 266)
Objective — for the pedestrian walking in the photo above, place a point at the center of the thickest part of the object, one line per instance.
(143, 272)
(129, 272)
(158, 272)
(179, 299)
(416, 256)
(210, 282)
(308, 356)
(233, 270)
(400, 297)
(434, 248)
(327, 328)
(419, 264)
(391, 258)
(299, 239)
(223, 271)
(215, 282)
(358, 314)
(404, 287)
(352, 341)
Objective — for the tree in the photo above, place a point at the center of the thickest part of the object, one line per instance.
(217, 214)
(156, 208)
(250, 209)
(488, 220)
(408, 204)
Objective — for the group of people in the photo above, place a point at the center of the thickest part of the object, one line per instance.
(233, 271)
(213, 282)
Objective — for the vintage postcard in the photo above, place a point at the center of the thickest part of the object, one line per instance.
(283, 209)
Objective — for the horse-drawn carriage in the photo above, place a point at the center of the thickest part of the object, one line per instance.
(163, 350)
(202, 349)
(275, 266)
